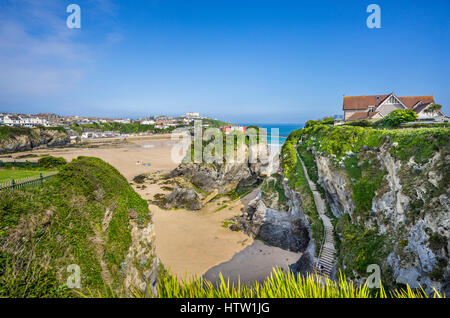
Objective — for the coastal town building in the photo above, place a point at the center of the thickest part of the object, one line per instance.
(229, 129)
(147, 121)
(192, 115)
(378, 106)
(27, 121)
(123, 121)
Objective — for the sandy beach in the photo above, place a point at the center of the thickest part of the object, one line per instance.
(188, 243)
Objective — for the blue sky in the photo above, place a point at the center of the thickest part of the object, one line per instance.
(242, 61)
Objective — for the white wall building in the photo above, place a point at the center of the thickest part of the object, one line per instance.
(191, 115)
(147, 122)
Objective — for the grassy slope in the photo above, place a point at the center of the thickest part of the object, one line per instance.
(61, 224)
(7, 132)
(293, 171)
(7, 175)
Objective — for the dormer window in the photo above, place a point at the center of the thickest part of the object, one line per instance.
(371, 109)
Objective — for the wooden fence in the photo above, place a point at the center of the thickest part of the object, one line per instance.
(33, 181)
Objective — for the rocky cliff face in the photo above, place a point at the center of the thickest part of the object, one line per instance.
(223, 177)
(287, 230)
(196, 180)
(140, 267)
(391, 209)
(36, 137)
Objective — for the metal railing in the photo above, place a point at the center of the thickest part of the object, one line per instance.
(33, 181)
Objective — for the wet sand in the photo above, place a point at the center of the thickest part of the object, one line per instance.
(253, 264)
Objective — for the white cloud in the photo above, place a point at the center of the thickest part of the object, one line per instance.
(39, 56)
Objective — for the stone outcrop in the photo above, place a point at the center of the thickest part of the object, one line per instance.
(35, 138)
(183, 199)
(226, 176)
(286, 230)
(411, 207)
(141, 264)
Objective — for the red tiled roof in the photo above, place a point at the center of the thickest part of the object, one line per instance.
(362, 102)
(371, 114)
(411, 101)
(359, 116)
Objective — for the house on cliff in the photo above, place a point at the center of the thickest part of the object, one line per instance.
(378, 106)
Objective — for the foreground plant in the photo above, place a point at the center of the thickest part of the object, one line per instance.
(278, 285)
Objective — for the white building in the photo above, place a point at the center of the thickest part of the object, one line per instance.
(147, 122)
(191, 115)
(122, 121)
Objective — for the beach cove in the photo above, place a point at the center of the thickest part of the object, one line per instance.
(189, 244)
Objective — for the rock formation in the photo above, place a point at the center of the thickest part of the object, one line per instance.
(34, 138)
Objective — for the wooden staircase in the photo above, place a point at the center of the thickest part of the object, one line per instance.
(326, 257)
(325, 262)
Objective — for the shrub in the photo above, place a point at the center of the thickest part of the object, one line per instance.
(50, 162)
(397, 117)
(433, 108)
(60, 221)
(311, 123)
(328, 121)
(360, 123)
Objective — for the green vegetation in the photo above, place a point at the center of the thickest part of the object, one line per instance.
(338, 141)
(50, 162)
(293, 171)
(420, 144)
(7, 132)
(82, 217)
(397, 117)
(354, 152)
(214, 123)
(131, 128)
(7, 175)
(272, 188)
(278, 285)
(223, 207)
(360, 247)
(324, 121)
(433, 108)
(23, 170)
(366, 177)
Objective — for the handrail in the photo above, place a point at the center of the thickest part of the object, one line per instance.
(15, 184)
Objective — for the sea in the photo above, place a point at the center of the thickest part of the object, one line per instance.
(283, 130)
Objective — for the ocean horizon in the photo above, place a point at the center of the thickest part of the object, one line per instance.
(284, 129)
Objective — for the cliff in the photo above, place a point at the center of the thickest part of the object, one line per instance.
(195, 182)
(87, 216)
(388, 195)
(274, 216)
(16, 139)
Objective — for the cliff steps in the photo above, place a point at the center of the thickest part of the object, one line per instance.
(325, 261)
